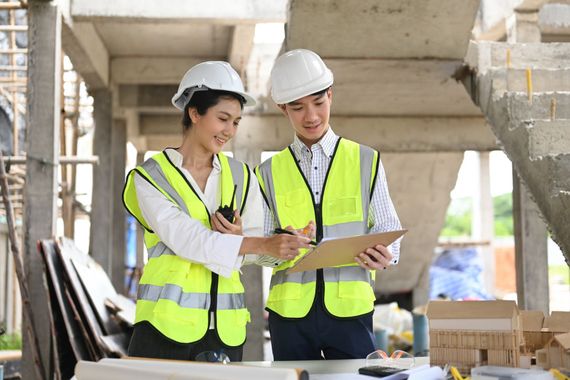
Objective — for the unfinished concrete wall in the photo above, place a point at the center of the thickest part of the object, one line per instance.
(420, 186)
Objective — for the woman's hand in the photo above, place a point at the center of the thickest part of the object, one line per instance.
(222, 225)
(284, 246)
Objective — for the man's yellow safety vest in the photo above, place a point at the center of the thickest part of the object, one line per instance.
(175, 295)
(342, 211)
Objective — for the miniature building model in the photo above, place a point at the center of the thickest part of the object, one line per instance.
(538, 330)
(556, 354)
(535, 335)
(469, 334)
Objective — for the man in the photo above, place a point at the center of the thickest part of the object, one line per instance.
(338, 186)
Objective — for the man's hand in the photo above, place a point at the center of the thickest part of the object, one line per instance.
(221, 224)
(373, 258)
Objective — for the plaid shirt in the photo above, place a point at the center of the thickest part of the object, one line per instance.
(314, 163)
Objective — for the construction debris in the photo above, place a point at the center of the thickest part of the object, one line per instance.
(90, 319)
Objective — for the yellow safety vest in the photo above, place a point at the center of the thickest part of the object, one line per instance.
(175, 295)
(343, 211)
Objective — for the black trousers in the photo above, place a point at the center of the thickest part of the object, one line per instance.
(148, 342)
(319, 335)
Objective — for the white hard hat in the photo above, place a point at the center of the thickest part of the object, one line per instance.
(298, 73)
(213, 75)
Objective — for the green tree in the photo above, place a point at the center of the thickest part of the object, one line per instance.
(459, 216)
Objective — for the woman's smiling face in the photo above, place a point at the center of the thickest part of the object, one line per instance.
(218, 125)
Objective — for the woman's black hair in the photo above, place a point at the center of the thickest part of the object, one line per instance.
(203, 100)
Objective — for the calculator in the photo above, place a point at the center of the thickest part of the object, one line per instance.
(379, 371)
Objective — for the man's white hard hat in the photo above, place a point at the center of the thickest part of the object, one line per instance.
(213, 75)
(298, 73)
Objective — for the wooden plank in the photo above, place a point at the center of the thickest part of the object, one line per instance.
(90, 286)
(55, 281)
(88, 337)
(96, 285)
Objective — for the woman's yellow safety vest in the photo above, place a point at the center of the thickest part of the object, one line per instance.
(175, 295)
(343, 211)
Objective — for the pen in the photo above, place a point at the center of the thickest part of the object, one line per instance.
(284, 231)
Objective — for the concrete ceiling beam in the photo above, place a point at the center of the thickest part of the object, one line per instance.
(87, 52)
(399, 29)
(148, 98)
(390, 134)
(151, 70)
(399, 87)
(224, 12)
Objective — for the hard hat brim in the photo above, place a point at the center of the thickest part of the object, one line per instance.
(179, 101)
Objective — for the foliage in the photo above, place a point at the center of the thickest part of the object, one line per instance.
(11, 342)
(459, 214)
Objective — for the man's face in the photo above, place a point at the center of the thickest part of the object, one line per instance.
(309, 116)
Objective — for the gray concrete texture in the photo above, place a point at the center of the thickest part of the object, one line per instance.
(533, 133)
(399, 28)
(420, 186)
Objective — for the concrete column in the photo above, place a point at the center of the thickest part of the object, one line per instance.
(42, 149)
(119, 157)
(252, 279)
(531, 248)
(483, 222)
(101, 240)
(420, 296)
(531, 255)
(522, 26)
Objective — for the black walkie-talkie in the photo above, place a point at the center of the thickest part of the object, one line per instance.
(228, 211)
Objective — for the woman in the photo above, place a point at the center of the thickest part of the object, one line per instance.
(190, 299)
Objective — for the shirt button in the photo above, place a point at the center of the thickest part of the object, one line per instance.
(317, 192)
(316, 168)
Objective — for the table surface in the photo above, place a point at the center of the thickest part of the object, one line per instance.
(325, 366)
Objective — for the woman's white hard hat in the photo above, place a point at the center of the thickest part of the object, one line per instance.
(213, 75)
(298, 73)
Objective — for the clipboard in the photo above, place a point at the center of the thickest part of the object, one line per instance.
(340, 251)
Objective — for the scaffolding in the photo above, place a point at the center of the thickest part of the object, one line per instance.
(76, 121)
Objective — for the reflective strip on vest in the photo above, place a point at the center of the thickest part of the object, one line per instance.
(350, 273)
(231, 301)
(366, 161)
(158, 250)
(155, 171)
(171, 292)
(174, 293)
(268, 189)
(345, 229)
(299, 278)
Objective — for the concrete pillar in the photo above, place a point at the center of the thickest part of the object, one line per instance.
(42, 149)
(522, 26)
(420, 296)
(119, 225)
(101, 240)
(531, 248)
(482, 224)
(531, 255)
(252, 279)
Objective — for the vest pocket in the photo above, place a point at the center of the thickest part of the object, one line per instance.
(168, 310)
(356, 290)
(286, 291)
(343, 210)
(294, 198)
